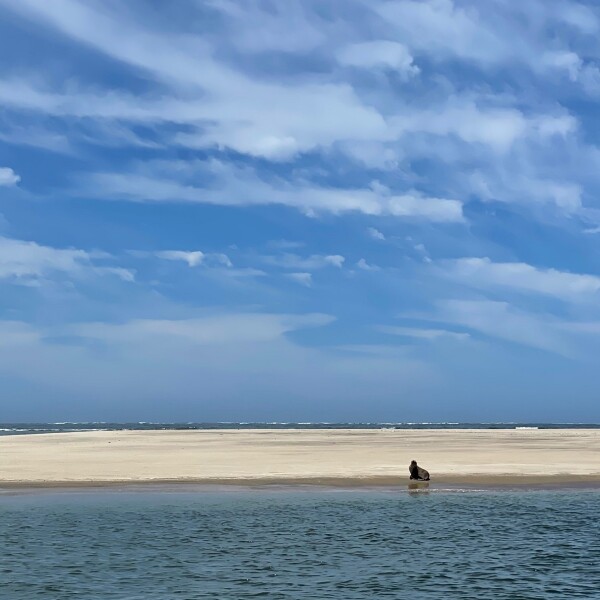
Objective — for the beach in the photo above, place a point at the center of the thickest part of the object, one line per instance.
(329, 457)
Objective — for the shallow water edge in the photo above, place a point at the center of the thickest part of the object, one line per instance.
(203, 487)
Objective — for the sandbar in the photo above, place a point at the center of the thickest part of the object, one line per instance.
(345, 457)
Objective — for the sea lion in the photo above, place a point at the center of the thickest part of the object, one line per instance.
(417, 472)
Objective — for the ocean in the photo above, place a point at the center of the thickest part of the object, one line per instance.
(296, 543)
(29, 428)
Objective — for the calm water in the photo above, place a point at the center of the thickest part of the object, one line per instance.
(300, 544)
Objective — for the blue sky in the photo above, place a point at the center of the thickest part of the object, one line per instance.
(260, 210)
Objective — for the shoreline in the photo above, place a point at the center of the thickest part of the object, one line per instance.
(356, 458)
(317, 485)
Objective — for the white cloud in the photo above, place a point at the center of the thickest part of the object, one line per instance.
(483, 273)
(422, 250)
(300, 118)
(586, 74)
(304, 114)
(503, 321)
(8, 177)
(45, 137)
(229, 186)
(577, 15)
(26, 262)
(417, 205)
(28, 259)
(246, 272)
(375, 233)
(309, 263)
(192, 258)
(215, 329)
(221, 258)
(422, 333)
(379, 53)
(502, 33)
(198, 91)
(589, 77)
(120, 272)
(307, 118)
(497, 128)
(196, 77)
(304, 279)
(365, 266)
(443, 29)
(563, 60)
(524, 188)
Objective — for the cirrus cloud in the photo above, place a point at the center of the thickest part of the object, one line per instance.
(482, 272)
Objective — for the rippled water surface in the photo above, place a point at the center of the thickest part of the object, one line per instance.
(300, 544)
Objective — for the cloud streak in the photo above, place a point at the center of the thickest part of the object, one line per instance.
(484, 273)
(232, 186)
(422, 333)
(194, 258)
(27, 262)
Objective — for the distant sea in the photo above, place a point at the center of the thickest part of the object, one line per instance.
(26, 428)
(300, 544)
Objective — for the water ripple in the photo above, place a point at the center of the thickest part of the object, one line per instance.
(291, 545)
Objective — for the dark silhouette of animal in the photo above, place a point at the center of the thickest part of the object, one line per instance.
(418, 473)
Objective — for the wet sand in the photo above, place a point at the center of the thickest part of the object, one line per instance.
(368, 457)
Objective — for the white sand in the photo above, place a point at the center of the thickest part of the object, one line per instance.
(349, 457)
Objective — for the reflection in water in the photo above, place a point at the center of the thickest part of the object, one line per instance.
(419, 487)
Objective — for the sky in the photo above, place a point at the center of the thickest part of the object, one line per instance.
(221, 210)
